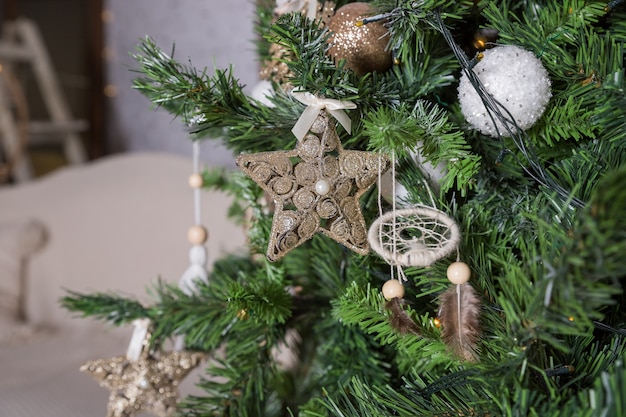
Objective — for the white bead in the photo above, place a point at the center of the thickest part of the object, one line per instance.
(458, 273)
(393, 289)
(322, 187)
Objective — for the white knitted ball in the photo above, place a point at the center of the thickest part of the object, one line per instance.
(516, 79)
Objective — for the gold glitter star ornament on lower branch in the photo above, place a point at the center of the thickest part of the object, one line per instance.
(149, 384)
(316, 188)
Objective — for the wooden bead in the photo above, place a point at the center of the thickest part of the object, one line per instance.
(458, 273)
(197, 235)
(196, 180)
(393, 289)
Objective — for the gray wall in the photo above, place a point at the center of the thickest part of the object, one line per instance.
(209, 33)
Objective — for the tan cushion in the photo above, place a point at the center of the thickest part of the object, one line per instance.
(116, 224)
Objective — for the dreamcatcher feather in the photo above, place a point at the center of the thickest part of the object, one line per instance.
(400, 319)
(459, 314)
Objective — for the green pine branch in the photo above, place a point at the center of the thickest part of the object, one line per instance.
(425, 129)
(212, 106)
(104, 306)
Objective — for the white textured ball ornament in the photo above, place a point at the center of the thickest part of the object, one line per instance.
(434, 174)
(390, 192)
(393, 289)
(458, 273)
(516, 79)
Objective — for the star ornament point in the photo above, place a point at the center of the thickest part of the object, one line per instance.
(316, 189)
(149, 384)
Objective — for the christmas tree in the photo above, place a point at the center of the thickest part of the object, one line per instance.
(467, 156)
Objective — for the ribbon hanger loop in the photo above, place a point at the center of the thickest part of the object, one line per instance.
(314, 106)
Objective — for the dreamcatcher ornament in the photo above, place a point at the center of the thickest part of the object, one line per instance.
(419, 236)
(414, 236)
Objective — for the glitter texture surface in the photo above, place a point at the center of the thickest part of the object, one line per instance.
(516, 79)
(147, 385)
(290, 179)
(363, 47)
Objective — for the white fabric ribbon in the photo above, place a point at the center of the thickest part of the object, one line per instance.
(314, 106)
(289, 6)
(138, 339)
(197, 271)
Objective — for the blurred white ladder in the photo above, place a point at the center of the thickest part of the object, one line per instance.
(21, 43)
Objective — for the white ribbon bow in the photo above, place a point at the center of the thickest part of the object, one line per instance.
(138, 339)
(295, 6)
(314, 106)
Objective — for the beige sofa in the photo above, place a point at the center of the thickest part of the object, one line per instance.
(115, 224)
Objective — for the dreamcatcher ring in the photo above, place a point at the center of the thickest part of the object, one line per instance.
(415, 236)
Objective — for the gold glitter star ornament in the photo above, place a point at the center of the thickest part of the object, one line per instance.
(316, 188)
(149, 384)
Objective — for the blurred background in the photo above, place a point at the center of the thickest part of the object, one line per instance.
(88, 45)
(94, 188)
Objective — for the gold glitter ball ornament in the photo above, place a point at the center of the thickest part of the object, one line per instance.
(316, 188)
(149, 384)
(363, 46)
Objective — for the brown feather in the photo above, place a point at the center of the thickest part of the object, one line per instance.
(399, 319)
(461, 332)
